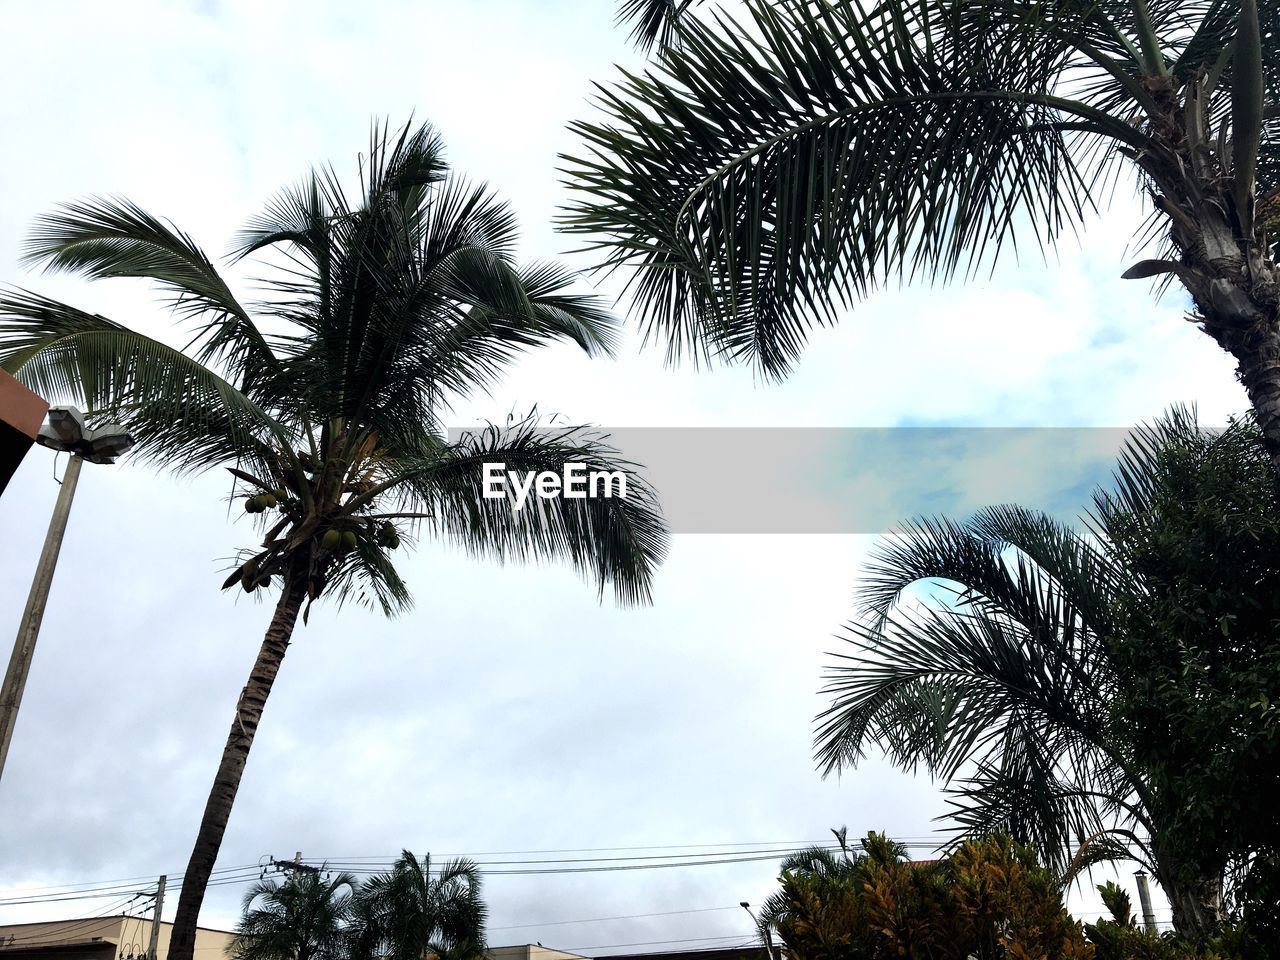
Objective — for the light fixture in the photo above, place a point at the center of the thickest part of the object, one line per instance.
(66, 433)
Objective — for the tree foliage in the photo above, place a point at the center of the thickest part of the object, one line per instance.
(988, 900)
(421, 910)
(1119, 937)
(1099, 695)
(413, 911)
(325, 398)
(775, 164)
(303, 918)
(382, 306)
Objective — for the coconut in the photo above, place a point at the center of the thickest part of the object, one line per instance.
(348, 540)
(331, 539)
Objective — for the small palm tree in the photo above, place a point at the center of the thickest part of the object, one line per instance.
(1084, 692)
(418, 910)
(325, 400)
(766, 172)
(303, 918)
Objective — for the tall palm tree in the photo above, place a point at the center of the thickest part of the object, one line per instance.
(324, 400)
(303, 918)
(418, 910)
(1003, 655)
(769, 170)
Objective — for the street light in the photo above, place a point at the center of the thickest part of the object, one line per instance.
(1144, 897)
(767, 931)
(64, 433)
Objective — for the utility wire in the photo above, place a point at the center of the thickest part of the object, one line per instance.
(630, 916)
(744, 944)
(652, 943)
(703, 855)
(77, 926)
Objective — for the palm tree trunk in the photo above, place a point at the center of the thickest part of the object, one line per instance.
(1239, 301)
(1196, 908)
(1258, 358)
(217, 809)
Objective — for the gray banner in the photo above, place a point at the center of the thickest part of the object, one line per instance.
(860, 480)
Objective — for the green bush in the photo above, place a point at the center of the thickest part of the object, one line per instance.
(1120, 937)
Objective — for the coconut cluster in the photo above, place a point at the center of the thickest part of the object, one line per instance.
(337, 537)
(261, 502)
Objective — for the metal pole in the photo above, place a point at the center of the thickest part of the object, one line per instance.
(155, 920)
(767, 931)
(15, 678)
(1144, 897)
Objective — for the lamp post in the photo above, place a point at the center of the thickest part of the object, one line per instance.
(65, 433)
(767, 931)
(1144, 898)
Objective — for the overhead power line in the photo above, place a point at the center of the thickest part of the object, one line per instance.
(661, 942)
(630, 916)
(539, 862)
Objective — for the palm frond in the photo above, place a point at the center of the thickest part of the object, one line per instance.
(654, 22)
(182, 415)
(495, 330)
(368, 578)
(940, 688)
(617, 541)
(997, 560)
(113, 237)
(765, 173)
(401, 168)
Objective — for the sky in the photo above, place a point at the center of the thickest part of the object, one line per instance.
(511, 712)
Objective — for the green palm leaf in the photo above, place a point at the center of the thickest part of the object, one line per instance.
(765, 173)
(654, 22)
(182, 415)
(107, 237)
(627, 536)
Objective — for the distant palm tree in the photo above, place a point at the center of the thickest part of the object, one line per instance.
(418, 910)
(998, 654)
(767, 171)
(303, 918)
(383, 307)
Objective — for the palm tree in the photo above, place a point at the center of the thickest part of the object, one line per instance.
(303, 918)
(324, 401)
(417, 911)
(769, 170)
(1019, 661)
